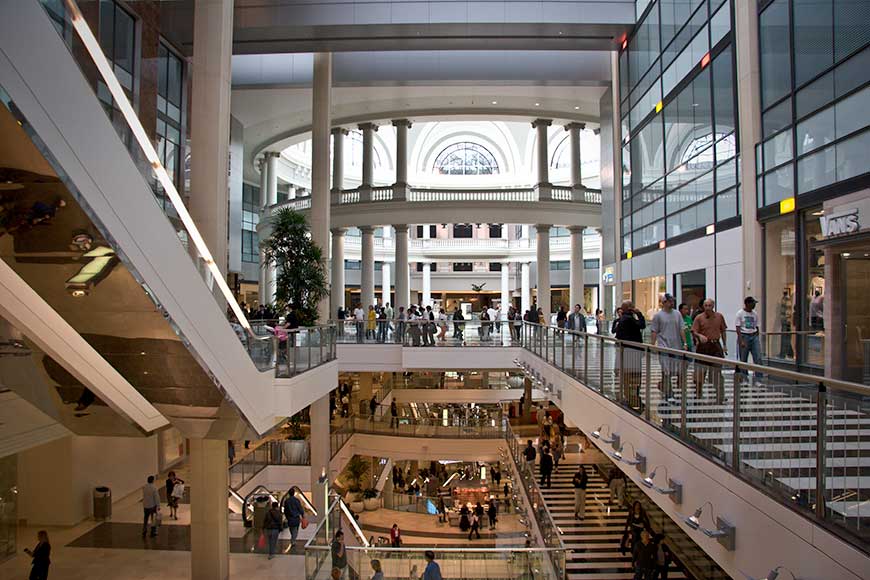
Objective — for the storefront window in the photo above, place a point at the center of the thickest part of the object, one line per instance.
(815, 297)
(646, 294)
(691, 288)
(779, 304)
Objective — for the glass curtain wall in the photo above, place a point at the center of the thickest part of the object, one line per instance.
(815, 70)
(678, 106)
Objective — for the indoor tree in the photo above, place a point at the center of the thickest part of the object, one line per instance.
(301, 271)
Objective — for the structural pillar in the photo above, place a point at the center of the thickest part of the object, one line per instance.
(263, 164)
(321, 122)
(271, 283)
(338, 134)
(543, 186)
(576, 161)
(365, 392)
(427, 284)
(367, 275)
(320, 453)
(368, 160)
(385, 283)
(601, 288)
(212, 79)
(525, 290)
(505, 289)
(209, 525)
(400, 188)
(575, 284)
(402, 282)
(272, 176)
(527, 400)
(336, 288)
(543, 248)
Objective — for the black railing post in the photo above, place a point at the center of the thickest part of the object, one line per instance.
(821, 447)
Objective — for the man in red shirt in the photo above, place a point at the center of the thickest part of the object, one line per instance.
(708, 330)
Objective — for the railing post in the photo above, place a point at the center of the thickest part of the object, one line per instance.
(563, 366)
(684, 396)
(574, 355)
(601, 368)
(735, 426)
(648, 390)
(320, 344)
(821, 448)
(586, 359)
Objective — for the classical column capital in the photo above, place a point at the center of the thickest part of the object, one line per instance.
(274, 154)
(571, 126)
(576, 229)
(597, 130)
(543, 228)
(367, 229)
(340, 131)
(367, 126)
(402, 123)
(505, 265)
(401, 228)
(338, 231)
(541, 123)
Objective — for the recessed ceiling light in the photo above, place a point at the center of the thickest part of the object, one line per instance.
(495, 102)
(537, 104)
(846, 254)
(576, 108)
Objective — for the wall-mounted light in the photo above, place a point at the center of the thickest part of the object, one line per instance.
(598, 433)
(674, 489)
(638, 461)
(725, 533)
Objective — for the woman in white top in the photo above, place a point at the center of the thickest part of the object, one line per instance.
(442, 324)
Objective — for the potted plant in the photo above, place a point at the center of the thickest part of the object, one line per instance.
(301, 271)
(295, 447)
(355, 472)
(371, 500)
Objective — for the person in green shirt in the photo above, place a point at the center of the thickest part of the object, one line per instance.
(687, 326)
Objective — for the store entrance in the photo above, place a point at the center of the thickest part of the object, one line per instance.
(855, 280)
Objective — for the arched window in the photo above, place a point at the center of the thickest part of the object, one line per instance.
(561, 155)
(699, 153)
(465, 158)
(355, 140)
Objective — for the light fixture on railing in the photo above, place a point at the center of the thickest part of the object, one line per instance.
(639, 459)
(597, 434)
(774, 574)
(674, 489)
(725, 533)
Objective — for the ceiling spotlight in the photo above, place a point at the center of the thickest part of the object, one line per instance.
(537, 104)
(495, 102)
(78, 293)
(576, 108)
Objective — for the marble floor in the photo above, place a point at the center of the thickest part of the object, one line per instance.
(425, 530)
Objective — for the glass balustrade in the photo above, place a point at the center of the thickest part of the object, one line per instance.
(798, 437)
(469, 332)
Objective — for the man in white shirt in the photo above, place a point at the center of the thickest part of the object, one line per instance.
(747, 324)
(496, 318)
(150, 506)
(360, 316)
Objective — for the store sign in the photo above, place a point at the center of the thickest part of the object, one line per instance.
(842, 223)
(608, 275)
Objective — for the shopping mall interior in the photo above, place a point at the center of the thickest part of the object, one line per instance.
(489, 289)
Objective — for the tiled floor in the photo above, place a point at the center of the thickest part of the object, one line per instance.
(425, 530)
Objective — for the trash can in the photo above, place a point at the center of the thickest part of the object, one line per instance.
(102, 503)
(261, 506)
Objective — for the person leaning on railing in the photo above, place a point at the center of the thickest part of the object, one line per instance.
(630, 327)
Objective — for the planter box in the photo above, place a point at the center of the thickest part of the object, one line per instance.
(357, 507)
(372, 504)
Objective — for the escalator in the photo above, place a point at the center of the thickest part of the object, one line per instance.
(80, 227)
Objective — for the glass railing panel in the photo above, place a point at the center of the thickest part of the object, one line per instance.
(468, 332)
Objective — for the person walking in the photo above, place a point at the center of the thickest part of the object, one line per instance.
(577, 319)
(492, 512)
(747, 325)
(338, 552)
(629, 328)
(562, 317)
(475, 526)
(174, 492)
(150, 506)
(371, 320)
(635, 523)
(395, 536)
(373, 406)
(667, 332)
(458, 324)
(557, 447)
(580, 481)
(294, 512)
(546, 467)
(394, 415)
(41, 555)
(433, 570)
(376, 568)
(359, 317)
(599, 321)
(529, 452)
(645, 554)
(272, 527)
(442, 325)
(708, 330)
(616, 485)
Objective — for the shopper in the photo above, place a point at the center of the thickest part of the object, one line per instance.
(272, 527)
(433, 570)
(174, 492)
(359, 317)
(496, 475)
(687, 326)
(747, 325)
(150, 506)
(580, 482)
(617, 315)
(458, 324)
(395, 536)
(41, 555)
(339, 552)
(630, 327)
(577, 319)
(667, 332)
(294, 512)
(394, 415)
(616, 484)
(562, 317)
(383, 324)
(546, 467)
(635, 523)
(484, 325)
(378, 572)
(492, 512)
(529, 452)
(371, 318)
(373, 406)
(557, 448)
(708, 330)
(599, 321)
(442, 325)
(645, 557)
(475, 526)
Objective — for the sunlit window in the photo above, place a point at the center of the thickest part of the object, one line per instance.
(465, 159)
(699, 153)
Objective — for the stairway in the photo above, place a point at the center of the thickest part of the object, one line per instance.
(593, 543)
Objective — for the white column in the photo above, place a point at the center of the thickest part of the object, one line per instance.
(525, 232)
(402, 282)
(264, 180)
(543, 267)
(575, 283)
(338, 134)
(367, 274)
(542, 158)
(212, 78)
(600, 268)
(261, 286)
(336, 289)
(574, 142)
(271, 283)
(385, 283)
(505, 288)
(320, 126)
(425, 231)
(400, 188)
(209, 526)
(320, 452)
(526, 292)
(504, 231)
(368, 160)
(427, 284)
(272, 176)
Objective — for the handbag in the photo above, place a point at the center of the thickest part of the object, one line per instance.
(303, 522)
(158, 519)
(261, 541)
(178, 490)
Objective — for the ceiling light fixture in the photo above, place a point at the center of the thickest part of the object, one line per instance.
(537, 104)
(674, 489)
(495, 102)
(598, 434)
(576, 108)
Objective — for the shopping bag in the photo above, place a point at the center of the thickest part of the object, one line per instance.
(158, 519)
(261, 542)
(303, 522)
(178, 491)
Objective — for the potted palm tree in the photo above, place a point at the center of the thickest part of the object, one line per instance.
(371, 501)
(295, 446)
(301, 271)
(355, 472)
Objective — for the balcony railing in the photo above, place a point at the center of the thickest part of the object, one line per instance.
(458, 428)
(276, 452)
(797, 437)
(420, 333)
(290, 351)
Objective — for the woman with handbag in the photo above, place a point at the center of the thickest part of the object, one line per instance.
(295, 514)
(40, 555)
(174, 492)
(272, 527)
